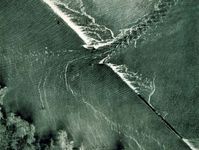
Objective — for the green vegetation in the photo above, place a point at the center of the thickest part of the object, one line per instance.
(18, 134)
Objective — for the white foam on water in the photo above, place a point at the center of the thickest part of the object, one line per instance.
(122, 75)
(91, 33)
(103, 44)
(93, 19)
(191, 144)
(135, 81)
(67, 19)
(97, 36)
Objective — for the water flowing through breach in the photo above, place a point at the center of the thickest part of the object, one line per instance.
(96, 36)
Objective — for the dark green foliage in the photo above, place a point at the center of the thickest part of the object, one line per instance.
(18, 134)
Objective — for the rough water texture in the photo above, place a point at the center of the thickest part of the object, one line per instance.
(101, 99)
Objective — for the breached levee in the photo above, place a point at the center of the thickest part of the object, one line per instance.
(92, 34)
(97, 36)
(140, 85)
